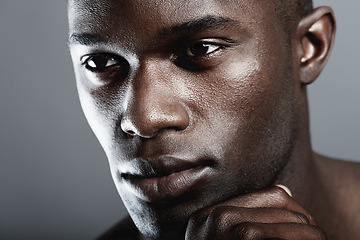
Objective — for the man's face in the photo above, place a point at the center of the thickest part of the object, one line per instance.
(194, 102)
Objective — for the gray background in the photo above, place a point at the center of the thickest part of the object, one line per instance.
(54, 177)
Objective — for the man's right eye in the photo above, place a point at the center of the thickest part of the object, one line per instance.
(99, 62)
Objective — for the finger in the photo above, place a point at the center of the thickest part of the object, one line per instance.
(260, 231)
(274, 197)
(290, 231)
(222, 219)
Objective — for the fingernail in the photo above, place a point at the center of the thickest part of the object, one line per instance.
(285, 188)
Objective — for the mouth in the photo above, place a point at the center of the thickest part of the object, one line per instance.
(166, 181)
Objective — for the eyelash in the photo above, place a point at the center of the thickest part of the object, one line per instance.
(213, 48)
(188, 56)
(203, 60)
(105, 58)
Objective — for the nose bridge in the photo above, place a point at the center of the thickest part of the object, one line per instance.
(150, 78)
(153, 104)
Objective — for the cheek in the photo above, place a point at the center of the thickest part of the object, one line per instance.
(242, 102)
(242, 92)
(98, 123)
(98, 111)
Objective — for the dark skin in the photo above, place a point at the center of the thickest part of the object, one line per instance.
(201, 109)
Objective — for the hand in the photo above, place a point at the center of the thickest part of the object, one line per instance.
(267, 214)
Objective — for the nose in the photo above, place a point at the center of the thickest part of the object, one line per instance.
(153, 104)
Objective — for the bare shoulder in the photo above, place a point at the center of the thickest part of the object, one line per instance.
(123, 230)
(341, 182)
(340, 173)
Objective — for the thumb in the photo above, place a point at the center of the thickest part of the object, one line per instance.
(285, 188)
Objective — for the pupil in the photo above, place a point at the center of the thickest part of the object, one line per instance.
(199, 49)
(100, 61)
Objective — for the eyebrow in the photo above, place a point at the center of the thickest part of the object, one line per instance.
(200, 24)
(188, 27)
(87, 39)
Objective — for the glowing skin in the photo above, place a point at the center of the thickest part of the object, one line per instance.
(230, 111)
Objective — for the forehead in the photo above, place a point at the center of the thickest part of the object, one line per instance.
(164, 8)
(145, 16)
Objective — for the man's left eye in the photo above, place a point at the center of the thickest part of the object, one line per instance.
(201, 49)
(202, 54)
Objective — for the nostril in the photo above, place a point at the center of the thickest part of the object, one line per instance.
(130, 132)
(127, 128)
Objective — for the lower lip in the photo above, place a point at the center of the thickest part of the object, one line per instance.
(162, 188)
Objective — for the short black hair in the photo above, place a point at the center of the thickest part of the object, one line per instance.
(290, 12)
(306, 5)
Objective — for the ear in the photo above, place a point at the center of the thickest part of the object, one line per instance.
(316, 34)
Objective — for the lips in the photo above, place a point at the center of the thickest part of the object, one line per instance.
(169, 178)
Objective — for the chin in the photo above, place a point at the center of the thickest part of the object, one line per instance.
(162, 220)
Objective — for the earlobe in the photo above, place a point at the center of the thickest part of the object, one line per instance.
(316, 34)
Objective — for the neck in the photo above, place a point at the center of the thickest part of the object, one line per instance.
(300, 174)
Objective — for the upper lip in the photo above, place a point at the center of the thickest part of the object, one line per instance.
(160, 167)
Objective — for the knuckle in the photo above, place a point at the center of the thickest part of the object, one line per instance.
(198, 218)
(249, 231)
(219, 216)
